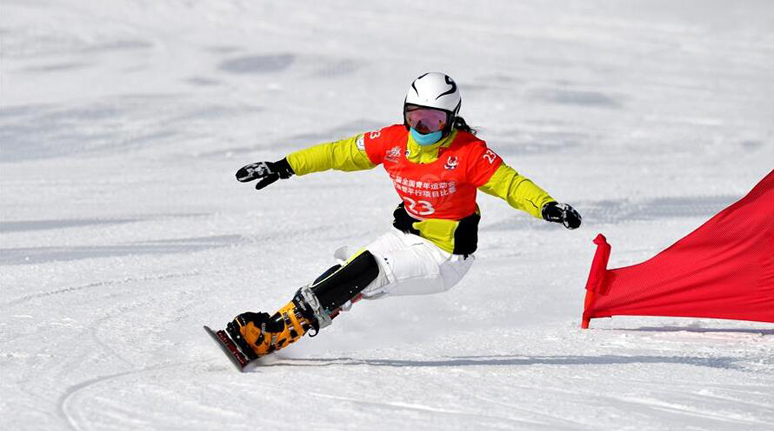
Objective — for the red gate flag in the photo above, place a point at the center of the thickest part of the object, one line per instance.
(723, 270)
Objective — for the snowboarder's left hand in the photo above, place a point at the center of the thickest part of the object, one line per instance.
(561, 213)
(268, 172)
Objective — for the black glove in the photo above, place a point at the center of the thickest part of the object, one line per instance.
(268, 172)
(561, 213)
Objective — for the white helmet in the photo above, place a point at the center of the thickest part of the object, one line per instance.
(435, 90)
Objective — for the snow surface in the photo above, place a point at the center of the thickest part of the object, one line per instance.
(123, 230)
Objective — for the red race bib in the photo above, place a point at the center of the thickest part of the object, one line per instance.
(443, 189)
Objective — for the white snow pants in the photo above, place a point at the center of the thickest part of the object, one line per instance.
(412, 265)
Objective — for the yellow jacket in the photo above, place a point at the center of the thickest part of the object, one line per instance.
(346, 155)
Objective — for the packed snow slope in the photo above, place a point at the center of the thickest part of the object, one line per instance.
(123, 230)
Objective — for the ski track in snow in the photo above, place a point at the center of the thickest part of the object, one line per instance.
(122, 230)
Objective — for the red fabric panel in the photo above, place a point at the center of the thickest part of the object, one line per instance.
(483, 162)
(724, 269)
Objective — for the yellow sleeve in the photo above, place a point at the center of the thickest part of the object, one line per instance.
(343, 155)
(519, 191)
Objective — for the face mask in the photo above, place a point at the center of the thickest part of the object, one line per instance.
(428, 139)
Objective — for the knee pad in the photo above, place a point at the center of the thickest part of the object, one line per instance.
(326, 274)
(346, 282)
(321, 301)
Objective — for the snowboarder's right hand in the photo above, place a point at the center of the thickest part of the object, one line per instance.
(267, 172)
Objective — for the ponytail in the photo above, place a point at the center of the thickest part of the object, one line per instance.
(460, 124)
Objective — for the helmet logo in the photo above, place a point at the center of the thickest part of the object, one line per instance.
(414, 86)
(452, 90)
(451, 163)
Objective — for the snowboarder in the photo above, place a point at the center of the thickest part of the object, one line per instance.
(436, 164)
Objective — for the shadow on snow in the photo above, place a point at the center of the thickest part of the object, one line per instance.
(471, 361)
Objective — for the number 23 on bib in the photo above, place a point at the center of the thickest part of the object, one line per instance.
(443, 189)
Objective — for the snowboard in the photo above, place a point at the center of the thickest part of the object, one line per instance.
(243, 362)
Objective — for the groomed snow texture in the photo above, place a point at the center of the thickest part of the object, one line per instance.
(122, 229)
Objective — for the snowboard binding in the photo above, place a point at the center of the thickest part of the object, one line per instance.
(258, 334)
(252, 335)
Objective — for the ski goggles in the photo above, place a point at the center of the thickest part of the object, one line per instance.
(425, 120)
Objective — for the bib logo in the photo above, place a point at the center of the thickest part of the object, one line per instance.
(392, 154)
(451, 163)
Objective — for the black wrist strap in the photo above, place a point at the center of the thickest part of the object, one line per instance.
(284, 169)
